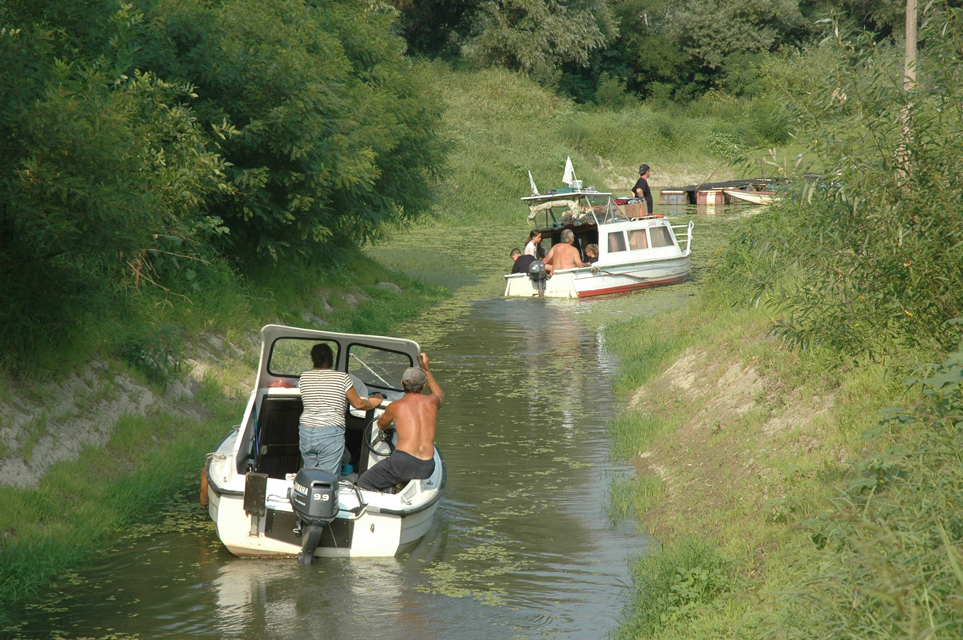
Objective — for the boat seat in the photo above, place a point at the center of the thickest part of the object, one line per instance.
(279, 450)
(275, 450)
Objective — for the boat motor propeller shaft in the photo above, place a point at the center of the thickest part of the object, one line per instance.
(538, 275)
(314, 499)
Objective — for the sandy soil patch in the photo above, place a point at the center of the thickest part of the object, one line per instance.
(719, 459)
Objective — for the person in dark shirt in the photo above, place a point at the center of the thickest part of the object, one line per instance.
(641, 188)
(592, 253)
(522, 262)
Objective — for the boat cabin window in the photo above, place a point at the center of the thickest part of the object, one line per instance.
(637, 239)
(616, 242)
(292, 356)
(660, 237)
(378, 367)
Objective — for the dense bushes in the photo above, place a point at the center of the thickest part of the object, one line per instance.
(336, 130)
(100, 170)
(176, 145)
(867, 257)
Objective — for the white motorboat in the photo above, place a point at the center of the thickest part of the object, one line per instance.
(752, 197)
(263, 504)
(634, 252)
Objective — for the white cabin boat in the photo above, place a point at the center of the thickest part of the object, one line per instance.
(250, 476)
(634, 252)
(752, 197)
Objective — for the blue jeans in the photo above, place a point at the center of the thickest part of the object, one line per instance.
(322, 447)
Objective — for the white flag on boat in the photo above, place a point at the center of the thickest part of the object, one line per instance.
(531, 181)
(569, 176)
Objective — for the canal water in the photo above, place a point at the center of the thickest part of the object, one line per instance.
(522, 546)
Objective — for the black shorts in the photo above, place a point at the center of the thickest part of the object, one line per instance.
(398, 467)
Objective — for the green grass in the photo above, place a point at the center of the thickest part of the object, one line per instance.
(80, 505)
(502, 126)
(757, 500)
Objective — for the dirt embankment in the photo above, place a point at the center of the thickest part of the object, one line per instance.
(45, 423)
(732, 435)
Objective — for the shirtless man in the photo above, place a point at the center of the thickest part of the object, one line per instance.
(563, 255)
(414, 417)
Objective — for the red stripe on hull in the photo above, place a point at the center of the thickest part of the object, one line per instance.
(630, 287)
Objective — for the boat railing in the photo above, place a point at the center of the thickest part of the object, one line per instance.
(688, 235)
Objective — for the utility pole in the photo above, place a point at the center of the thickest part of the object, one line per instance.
(909, 83)
(909, 66)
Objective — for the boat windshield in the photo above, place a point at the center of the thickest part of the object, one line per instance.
(378, 367)
(375, 366)
(290, 356)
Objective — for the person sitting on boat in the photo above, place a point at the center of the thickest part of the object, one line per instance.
(563, 255)
(534, 246)
(522, 262)
(641, 189)
(592, 253)
(325, 394)
(414, 417)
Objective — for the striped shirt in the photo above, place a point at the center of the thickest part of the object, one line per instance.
(323, 394)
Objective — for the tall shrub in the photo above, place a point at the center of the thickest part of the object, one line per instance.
(337, 130)
(101, 173)
(868, 254)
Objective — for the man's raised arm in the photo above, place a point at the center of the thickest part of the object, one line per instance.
(433, 385)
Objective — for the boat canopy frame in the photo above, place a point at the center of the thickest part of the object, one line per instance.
(578, 203)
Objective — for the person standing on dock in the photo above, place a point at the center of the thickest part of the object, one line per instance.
(641, 188)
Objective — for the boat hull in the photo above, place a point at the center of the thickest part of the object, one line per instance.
(603, 279)
(753, 197)
(386, 526)
(371, 535)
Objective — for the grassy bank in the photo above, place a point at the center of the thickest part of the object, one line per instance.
(502, 125)
(784, 506)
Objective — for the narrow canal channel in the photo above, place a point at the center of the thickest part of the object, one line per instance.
(522, 545)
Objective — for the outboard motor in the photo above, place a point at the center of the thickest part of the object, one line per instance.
(314, 499)
(538, 275)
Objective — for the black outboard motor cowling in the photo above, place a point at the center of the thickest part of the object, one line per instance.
(538, 275)
(314, 499)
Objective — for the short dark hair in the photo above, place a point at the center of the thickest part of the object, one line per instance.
(322, 356)
(515, 252)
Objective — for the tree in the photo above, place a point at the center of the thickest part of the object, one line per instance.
(336, 129)
(538, 36)
(435, 28)
(101, 172)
